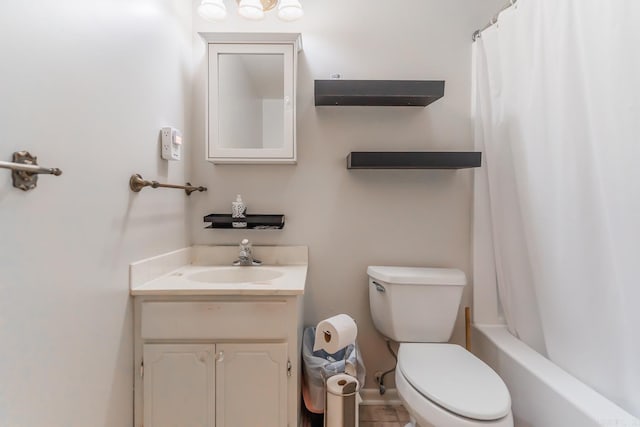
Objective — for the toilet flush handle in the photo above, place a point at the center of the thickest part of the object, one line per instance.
(379, 287)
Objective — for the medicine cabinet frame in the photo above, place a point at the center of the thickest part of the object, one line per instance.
(286, 44)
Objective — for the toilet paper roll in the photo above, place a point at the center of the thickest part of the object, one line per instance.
(341, 406)
(335, 333)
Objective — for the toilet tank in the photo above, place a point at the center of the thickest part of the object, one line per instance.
(411, 304)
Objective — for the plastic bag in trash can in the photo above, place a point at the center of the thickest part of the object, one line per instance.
(320, 365)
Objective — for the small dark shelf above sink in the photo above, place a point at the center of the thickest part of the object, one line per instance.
(413, 159)
(413, 93)
(254, 222)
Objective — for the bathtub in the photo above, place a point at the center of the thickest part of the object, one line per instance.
(543, 395)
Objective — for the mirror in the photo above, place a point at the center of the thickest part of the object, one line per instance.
(251, 100)
(251, 107)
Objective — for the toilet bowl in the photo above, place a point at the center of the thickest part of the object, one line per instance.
(444, 385)
(440, 384)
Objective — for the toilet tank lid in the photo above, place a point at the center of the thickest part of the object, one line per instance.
(417, 275)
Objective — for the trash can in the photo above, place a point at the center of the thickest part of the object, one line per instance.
(318, 366)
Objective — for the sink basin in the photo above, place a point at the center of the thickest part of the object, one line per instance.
(235, 275)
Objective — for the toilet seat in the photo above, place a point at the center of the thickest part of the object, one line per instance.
(429, 414)
(445, 385)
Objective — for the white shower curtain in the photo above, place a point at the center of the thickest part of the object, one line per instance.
(558, 119)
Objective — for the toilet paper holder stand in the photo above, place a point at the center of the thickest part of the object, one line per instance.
(348, 407)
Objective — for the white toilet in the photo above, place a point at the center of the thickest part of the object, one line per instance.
(441, 385)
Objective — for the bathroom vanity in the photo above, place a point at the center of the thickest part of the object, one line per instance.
(218, 345)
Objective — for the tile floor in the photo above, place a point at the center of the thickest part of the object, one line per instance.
(378, 416)
(383, 416)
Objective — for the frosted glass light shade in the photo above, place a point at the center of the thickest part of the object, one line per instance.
(251, 9)
(212, 10)
(290, 10)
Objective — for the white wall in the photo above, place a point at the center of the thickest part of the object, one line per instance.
(85, 85)
(351, 219)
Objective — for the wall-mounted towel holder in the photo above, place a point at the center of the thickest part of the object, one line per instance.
(25, 170)
(137, 183)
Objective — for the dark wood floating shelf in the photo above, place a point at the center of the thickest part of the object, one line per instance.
(413, 159)
(254, 222)
(414, 93)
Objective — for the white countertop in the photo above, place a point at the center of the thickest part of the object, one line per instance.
(177, 283)
(169, 274)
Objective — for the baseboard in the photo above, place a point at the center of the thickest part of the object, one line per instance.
(371, 396)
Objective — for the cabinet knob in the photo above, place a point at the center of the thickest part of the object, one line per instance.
(220, 356)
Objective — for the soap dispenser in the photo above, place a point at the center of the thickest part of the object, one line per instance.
(238, 210)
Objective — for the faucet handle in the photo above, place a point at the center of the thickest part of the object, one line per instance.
(245, 245)
(246, 257)
(244, 242)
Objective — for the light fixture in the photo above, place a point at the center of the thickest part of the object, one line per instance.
(251, 9)
(215, 10)
(212, 10)
(290, 10)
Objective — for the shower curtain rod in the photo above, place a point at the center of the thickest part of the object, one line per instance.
(493, 21)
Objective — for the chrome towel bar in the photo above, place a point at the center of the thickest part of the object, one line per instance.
(137, 183)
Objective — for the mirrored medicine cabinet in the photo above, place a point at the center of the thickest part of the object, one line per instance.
(251, 102)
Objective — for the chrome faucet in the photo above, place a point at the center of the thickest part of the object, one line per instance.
(245, 258)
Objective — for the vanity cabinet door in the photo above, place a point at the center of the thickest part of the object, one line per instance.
(251, 385)
(178, 385)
